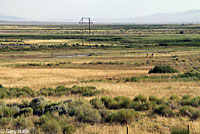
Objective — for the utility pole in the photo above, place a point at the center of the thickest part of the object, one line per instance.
(89, 22)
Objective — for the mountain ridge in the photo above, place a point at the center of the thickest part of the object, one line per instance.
(187, 16)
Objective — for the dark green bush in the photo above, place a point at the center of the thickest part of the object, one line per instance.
(38, 106)
(195, 115)
(26, 112)
(163, 69)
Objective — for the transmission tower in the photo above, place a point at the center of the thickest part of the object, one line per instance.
(87, 22)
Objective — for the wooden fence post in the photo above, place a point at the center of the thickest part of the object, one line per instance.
(188, 128)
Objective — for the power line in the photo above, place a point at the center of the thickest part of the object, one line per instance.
(88, 22)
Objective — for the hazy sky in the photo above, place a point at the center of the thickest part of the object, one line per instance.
(68, 9)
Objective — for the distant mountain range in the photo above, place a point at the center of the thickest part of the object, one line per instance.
(189, 16)
(10, 18)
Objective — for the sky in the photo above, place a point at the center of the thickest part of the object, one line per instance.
(48, 10)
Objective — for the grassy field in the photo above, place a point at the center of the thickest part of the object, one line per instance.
(116, 59)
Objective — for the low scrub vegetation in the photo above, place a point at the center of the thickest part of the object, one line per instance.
(42, 65)
(106, 63)
(58, 117)
(179, 130)
(58, 91)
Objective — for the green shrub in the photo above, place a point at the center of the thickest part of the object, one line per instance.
(130, 79)
(50, 125)
(140, 98)
(84, 112)
(80, 90)
(61, 90)
(97, 103)
(179, 131)
(186, 97)
(186, 100)
(92, 92)
(114, 105)
(163, 69)
(23, 123)
(16, 92)
(106, 100)
(47, 92)
(195, 101)
(153, 98)
(141, 106)
(104, 113)
(3, 94)
(194, 76)
(74, 106)
(56, 107)
(122, 116)
(89, 115)
(163, 110)
(174, 97)
(187, 110)
(68, 129)
(5, 121)
(123, 101)
(8, 111)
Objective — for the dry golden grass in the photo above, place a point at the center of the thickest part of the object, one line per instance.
(160, 89)
(146, 125)
(51, 77)
(37, 78)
